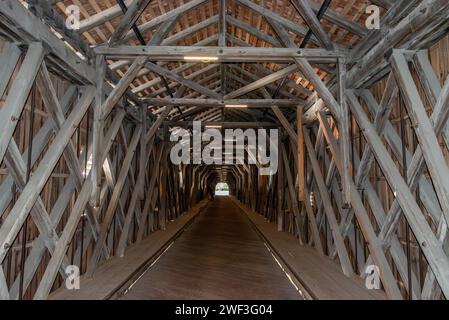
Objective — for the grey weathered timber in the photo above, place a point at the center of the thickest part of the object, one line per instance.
(8, 60)
(292, 194)
(188, 83)
(320, 86)
(184, 33)
(4, 294)
(260, 83)
(29, 28)
(294, 27)
(109, 215)
(132, 14)
(427, 76)
(145, 138)
(222, 43)
(427, 193)
(264, 71)
(152, 190)
(98, 130)
(371, 66)
(344, 131)
(39, 141)
(225, 124)
(18, 93)
(49, 276)
(135, 67)
(183, 9)
(424, 129)
(386, 4)
(224, 54)
(330, 15)
(255, 103)
(330, 214)
(430, 246)
(304, 9)
(24, 203)
(101, 17)
(301, 156)
(425, 12)
(376, 244)
(39, 214)
(173, 85)
(252, 30)
(121, 87)
(380, 121)
(57, 115)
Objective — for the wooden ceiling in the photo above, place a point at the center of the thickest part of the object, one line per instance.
(199, 25)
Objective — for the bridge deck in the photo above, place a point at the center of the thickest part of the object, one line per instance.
(220, 255)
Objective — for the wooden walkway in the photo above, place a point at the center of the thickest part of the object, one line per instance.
(320, 276)
(219, 256)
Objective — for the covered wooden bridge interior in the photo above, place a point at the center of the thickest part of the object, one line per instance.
(362, 185)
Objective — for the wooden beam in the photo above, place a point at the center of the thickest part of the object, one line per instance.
(306, 12)
(264, 71)
(122, 86)
(185, 33)
(253, 30)
(430, 246)
(8, 60)
(132, 14)
(301, 157)
(156, 125)
(365, 223)
(261, 82)
(321, 88)
(27, 27)
(19, 212)
(427, 193)
(188, 83)
(328, 208)
(254, 103)
(292, 194)
(173, 85)
(386, 4)
(225, 124)
(98, 123)
(101, 17)
(109, 215)
(344, 132)
(267, 13)
(181, 10)
(425, 12)
(18, 94)
(46, 282)
(40, 140)
(424, 129)
(223, 54)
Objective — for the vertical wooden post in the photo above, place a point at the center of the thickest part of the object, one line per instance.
(96, 171)
(344, 132)
(301, 164)
(163, 182)
(280, 195)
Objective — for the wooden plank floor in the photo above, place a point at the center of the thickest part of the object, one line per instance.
(322, 276)
(113, 273)
(219, 256)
